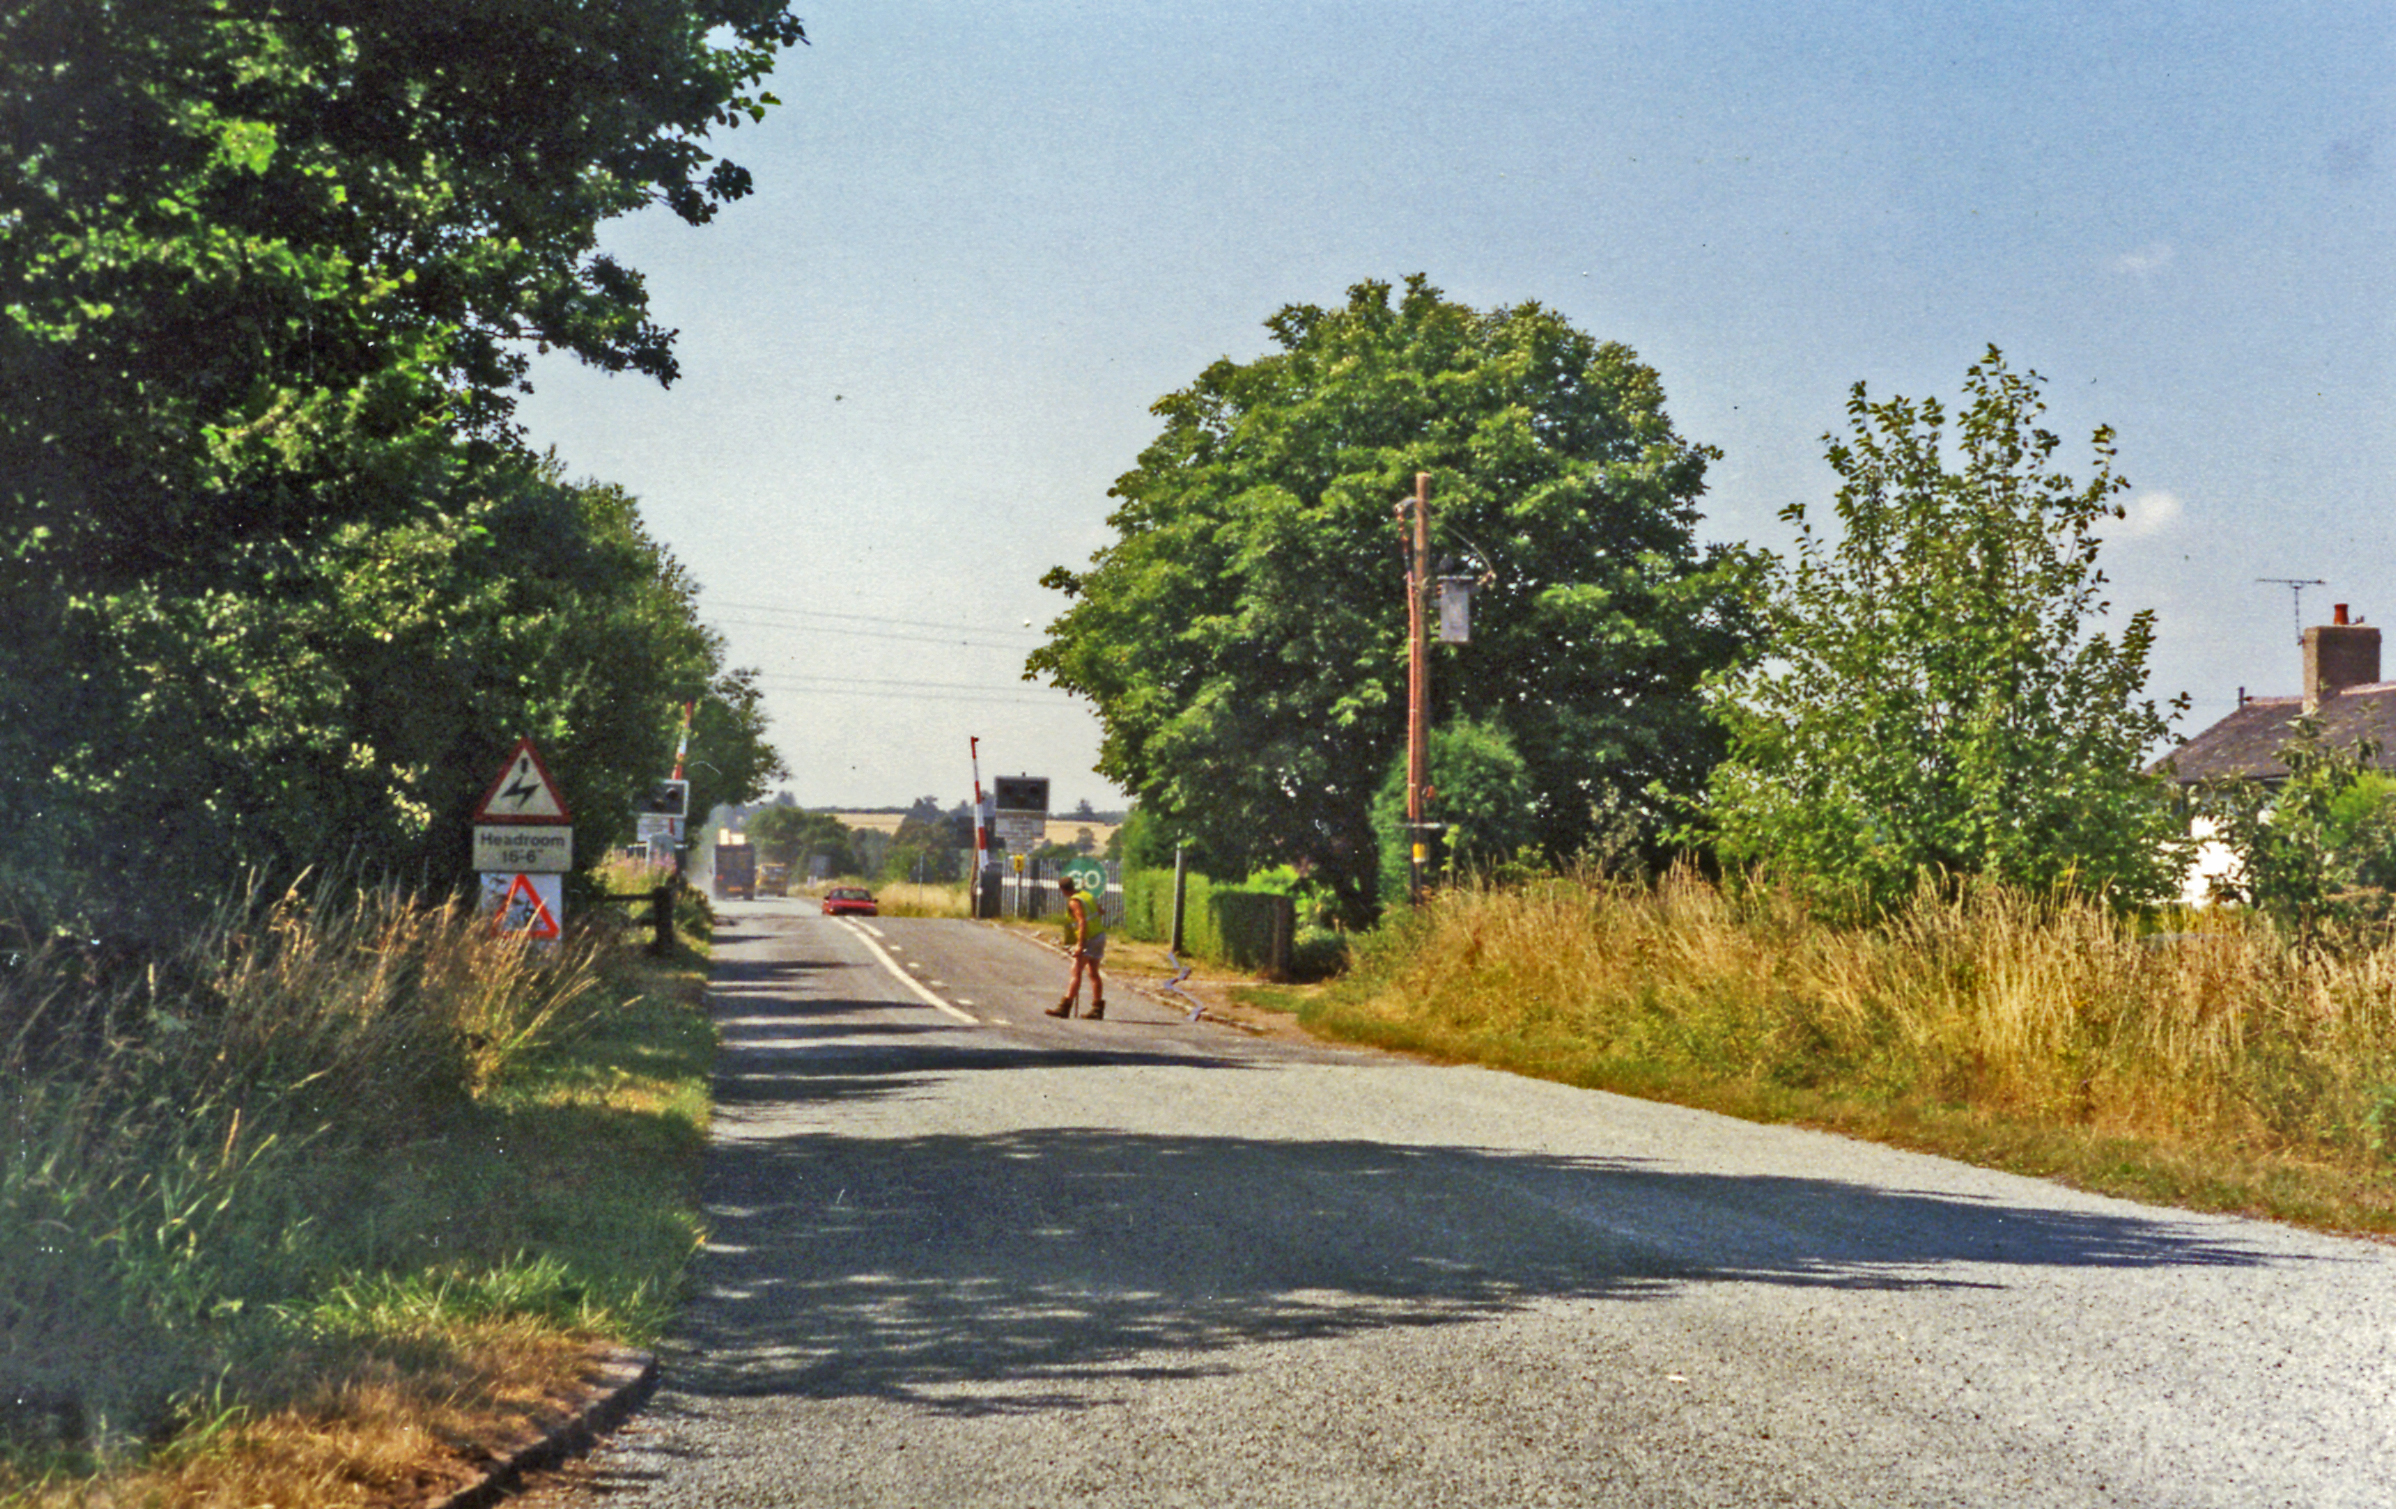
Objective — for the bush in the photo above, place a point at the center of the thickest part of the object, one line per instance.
(1318, 953)
(174, 1123)
(1222, 924)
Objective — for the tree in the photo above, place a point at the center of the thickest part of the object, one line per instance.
(2318, 848)
(356, 715)
(1243, 640)
(1934, 698)
(928, 841)
(273, 274)
(1483, 798)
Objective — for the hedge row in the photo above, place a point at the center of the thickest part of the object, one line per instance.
(1221, 924)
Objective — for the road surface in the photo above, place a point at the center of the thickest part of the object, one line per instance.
(963, 1254)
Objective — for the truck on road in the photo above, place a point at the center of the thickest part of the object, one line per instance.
(735, 870)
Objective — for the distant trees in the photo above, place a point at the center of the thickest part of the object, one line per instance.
(1243, 638)
(795, 836)
(928, 841)
(1932, 695)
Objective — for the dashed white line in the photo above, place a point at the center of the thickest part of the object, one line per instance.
(900, 975)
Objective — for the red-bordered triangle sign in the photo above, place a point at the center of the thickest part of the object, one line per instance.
(522, 910)
(523, 793)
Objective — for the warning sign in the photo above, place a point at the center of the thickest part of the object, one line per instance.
(521, 849)
(529, 904)
(523, 793)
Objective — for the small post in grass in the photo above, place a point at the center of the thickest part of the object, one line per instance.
(661, 918)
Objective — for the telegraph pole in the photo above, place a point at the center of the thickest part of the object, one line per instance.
(1418, 682)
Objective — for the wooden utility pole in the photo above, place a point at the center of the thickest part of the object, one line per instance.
(1418, 682)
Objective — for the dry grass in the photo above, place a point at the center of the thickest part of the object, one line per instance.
(298, 1214)
(2224, 1067)
(398, 1423)
(904, 898)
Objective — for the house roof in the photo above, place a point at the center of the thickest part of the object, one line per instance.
(2246, 744)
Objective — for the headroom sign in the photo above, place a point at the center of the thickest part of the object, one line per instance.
(522, 850)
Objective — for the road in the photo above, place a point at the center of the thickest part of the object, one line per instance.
(963, 1254)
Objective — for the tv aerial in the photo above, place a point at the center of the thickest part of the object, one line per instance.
(2295, 586)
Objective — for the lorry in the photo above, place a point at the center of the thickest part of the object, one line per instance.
(773, 879)
(735, 870)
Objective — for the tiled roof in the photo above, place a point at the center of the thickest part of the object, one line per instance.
(2246, 744)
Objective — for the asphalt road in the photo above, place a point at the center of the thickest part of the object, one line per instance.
(963, 1254)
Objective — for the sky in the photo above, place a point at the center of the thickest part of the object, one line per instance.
(986, 238)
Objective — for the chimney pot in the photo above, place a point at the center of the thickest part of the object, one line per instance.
(2338, 655)
(2337, 613)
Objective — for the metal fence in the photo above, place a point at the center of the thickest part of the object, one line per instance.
(1034, 895)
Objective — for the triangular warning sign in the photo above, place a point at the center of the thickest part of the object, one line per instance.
(523, 793)
(522, 910)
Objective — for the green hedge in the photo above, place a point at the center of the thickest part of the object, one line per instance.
(1221, 924)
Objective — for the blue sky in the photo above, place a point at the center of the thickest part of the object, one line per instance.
(986, 238)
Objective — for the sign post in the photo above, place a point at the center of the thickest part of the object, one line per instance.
(523, 847)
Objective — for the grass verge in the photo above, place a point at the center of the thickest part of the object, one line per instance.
(2225, 1069)
(344, 1192)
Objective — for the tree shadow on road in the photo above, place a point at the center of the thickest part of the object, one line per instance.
(999, 1273)
(1010, 1271)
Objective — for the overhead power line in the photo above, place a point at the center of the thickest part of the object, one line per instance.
(948, 691)
(982, 644)
(928, 686)
(877, 618)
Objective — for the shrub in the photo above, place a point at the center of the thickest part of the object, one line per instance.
(175, 1123)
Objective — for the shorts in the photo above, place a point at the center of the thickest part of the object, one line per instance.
(1094, 950)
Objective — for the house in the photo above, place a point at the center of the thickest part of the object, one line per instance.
(2342, 693)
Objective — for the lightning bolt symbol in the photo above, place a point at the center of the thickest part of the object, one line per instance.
(520, 788)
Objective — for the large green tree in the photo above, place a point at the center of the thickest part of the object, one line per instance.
(1937, 696)
(269, 274)
(1243, 639)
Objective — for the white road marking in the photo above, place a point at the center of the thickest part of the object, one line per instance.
(901, 975)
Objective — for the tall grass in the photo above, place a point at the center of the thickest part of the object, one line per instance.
(905, 898)
(2048, 1011)
(181, 1135)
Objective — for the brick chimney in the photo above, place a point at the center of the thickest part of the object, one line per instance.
(2338, 655)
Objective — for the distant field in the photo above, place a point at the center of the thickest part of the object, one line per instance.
(1061, 830)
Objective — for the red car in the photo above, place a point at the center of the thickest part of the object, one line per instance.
(849, 901)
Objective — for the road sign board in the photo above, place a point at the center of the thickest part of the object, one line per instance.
(1022, 832)
(667, 799)
(533, 905)
(523, 793)
(657, 827)
(1087, 875)
(521, 848)
(1020, 793)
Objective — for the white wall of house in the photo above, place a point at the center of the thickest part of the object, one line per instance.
(2214, 863)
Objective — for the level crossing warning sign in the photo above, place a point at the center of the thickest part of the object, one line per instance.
(525, 904)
